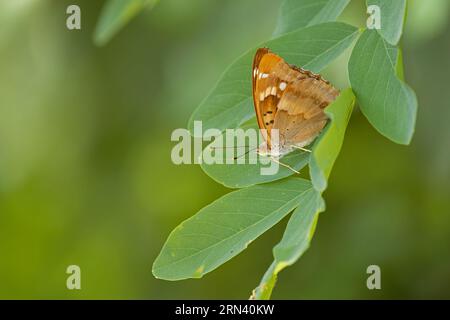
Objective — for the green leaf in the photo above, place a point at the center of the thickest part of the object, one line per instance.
(295, 241)
(328, 145)
(226, 227)
(392, 18)
(386, 101)
(247, 174)
(230, 102)
(399, 65)
(115, 15)
(295, 14)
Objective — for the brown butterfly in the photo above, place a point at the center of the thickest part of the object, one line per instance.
(289, 99)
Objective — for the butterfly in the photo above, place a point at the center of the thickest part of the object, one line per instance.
(289, 99)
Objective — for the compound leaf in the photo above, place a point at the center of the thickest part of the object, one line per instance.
(295, 241)
(386, 101)
(224, 228)
(295, 14)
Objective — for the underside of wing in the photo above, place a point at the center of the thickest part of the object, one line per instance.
(289, 99)
(301, 116)
(271, 76)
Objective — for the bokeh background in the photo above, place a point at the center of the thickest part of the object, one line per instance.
(86, 176)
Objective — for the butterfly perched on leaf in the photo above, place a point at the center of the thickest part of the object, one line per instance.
(290, 100)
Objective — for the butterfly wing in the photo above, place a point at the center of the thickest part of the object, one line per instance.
(271, 75)
(289, 99)
(301, 116)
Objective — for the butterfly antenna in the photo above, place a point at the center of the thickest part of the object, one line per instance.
(234, 147)
(247, 152)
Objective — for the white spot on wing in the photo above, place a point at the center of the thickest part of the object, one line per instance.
(264, 75)
(274, 91)
(283, 85)
(261, 96)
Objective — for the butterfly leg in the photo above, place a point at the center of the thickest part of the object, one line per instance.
(282, 164)
(300, 148)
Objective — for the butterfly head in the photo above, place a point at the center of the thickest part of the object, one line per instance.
(276, 150)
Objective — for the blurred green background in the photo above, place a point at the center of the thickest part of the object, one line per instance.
(86, 176)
